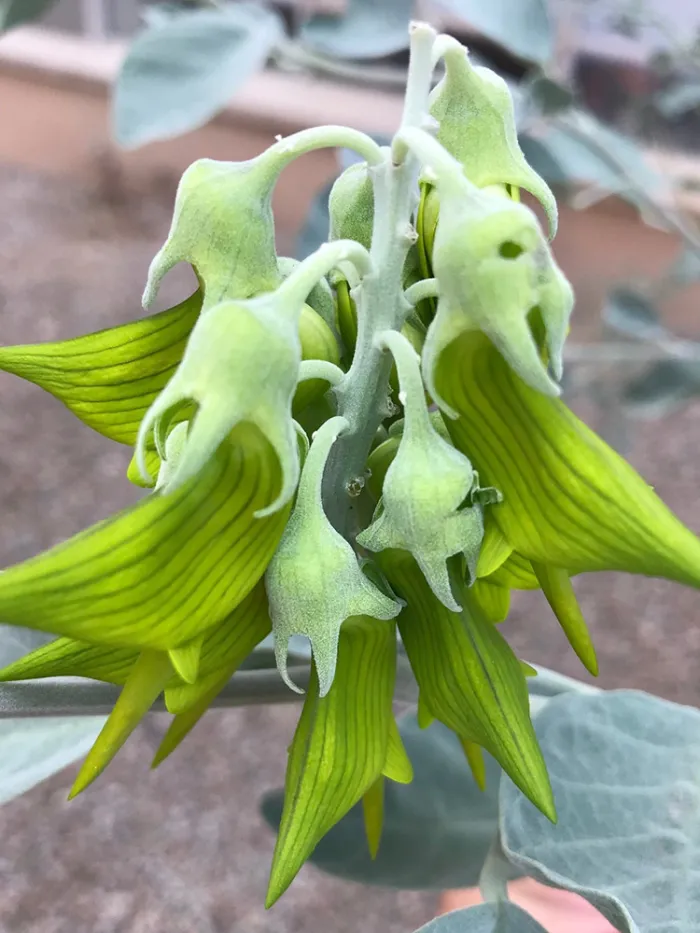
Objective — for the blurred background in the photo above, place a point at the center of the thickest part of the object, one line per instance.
(608, 104)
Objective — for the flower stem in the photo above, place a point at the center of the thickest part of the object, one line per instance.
(363, 394)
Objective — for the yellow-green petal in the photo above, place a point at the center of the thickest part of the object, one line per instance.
(144, 684)
(165, 570)
(475, 760)
(397, 766)
(568, 498)
(556, 586)
(493, 600)
(340, 745)
(469, 677)
(110, 378)
(225, 647)
(495, 550)
(183, 723)
(185, 659)
(515, 573)
(373, 813)
(67, 657)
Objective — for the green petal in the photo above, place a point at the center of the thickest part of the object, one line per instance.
(145, 682)
(185, 659)
(373, 813)
(347, 316)
(340, 745)
(515, 573)
(397, 766)
(225, 648)
(165, 570)
(493, 600)
(109, 378)
(66, 657)
(423, 715)
(475, 760)
(556, 586)
(183, 723)
(470, 678)
(495, 550)
(568, 498)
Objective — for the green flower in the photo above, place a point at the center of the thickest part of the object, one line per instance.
(468, 677)
(314, 581)
(493, 267)
(344, 744)
(570, 503)
(158, 590)
(431, 503)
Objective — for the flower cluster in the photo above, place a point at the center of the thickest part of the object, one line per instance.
(363, 447)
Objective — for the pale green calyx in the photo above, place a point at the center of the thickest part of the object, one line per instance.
(493, 268)
(223, 226)
(242, 363)
(431, 504)
(474, 110)
(314, 581)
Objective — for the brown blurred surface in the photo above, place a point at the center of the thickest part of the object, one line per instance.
(184, 849)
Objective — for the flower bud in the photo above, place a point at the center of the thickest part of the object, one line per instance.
(494, 268)
(431, 504)
(223, 226)
(474, 109)
(317, 343)
(351, 205)
(314, 581)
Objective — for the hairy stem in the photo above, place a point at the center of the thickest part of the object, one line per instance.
(363, 394)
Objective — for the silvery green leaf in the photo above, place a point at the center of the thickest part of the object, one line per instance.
(679, 99)
(182, 69)
(547, 96)
(521, 26)
(16, 642)
(437, 829)
(33, 749)
(578, 149)
(16, 12)
(503, 917)
(631, 313)
(365, 30)
(624, 768)
(686, 268)
(662, 388)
